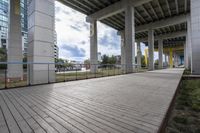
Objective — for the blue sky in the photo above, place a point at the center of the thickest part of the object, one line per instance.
(73, 35)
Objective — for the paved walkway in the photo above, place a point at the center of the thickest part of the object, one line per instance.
(134, 103)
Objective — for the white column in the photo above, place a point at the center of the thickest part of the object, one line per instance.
(175, 59)
(160, 52)
(195, 36)
(122, 34)
(41, 25)
(93, 47)
(186, 55)
(129, 38)
(151, 49)
(15, 41)
(139, 55)
(189, 47)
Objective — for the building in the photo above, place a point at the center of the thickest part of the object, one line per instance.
(99, 56)
(56, 51)
(4, 20)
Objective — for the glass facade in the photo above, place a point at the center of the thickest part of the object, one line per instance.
(4, 12)
(3, 22)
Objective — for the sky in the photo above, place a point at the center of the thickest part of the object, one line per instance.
(73, 35)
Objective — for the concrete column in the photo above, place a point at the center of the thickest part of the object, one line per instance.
(15, 41)
(160, 52)
(195, 36)
(41, 25)
(186, 55)
(188, 39)
(175, 60)
(139, 55)
(129, 38)
(151, 49)
(93, 47)
(122, 34)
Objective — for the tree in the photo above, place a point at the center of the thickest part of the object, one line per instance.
(3, 55)
(142, 61)
(87, 62)
(112, 60)
(105, 59)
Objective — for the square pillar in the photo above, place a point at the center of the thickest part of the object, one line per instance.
(160, 52)
(93, 47)
(123, 67)
(195, 36)
(175, 60)
(186, 55)
(139, 55)
(129, 38)
(189, 43)
(151, 49)
(41, 27)
(15, 41)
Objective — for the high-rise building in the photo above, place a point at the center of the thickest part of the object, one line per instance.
(4, 20)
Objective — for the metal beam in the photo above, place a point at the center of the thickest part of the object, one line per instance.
(176, 3)
(162, 23)
(165, 36)
(169, 10)
(154, 12)
(114, 9)
(161, 10)
(145, 10)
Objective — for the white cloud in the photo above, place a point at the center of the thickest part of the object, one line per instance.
(73, 30)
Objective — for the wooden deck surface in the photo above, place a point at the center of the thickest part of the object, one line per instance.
(134, 103)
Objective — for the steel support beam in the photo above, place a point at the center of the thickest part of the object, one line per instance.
(162, 23)
(165, 36)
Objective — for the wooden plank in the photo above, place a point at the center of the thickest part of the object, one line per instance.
(36, 117)
(17, 116)
(79, 124)
(33, 124)
(95, 113)
(129, 103)
(117, 124)
(12, 124)
(3, 124)
(59, 117)
(63, 103)
(78, 117)
(106, 109)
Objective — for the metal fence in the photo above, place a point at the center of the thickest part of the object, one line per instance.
(57, 72)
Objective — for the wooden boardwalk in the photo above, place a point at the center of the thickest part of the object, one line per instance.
(134, 103)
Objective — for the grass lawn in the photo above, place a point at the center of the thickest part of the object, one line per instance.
(185, 117)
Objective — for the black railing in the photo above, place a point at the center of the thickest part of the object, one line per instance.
(58, 72)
